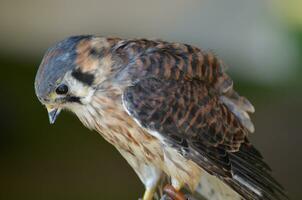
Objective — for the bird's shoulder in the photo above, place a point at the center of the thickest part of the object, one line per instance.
(169, 60)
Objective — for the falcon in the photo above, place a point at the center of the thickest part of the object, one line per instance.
(169, 109)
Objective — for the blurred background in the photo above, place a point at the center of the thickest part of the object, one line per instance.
(261, 42)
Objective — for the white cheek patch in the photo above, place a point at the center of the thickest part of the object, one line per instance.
(88, 98)
(78, 89)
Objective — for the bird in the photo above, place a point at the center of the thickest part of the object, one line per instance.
(169, 108)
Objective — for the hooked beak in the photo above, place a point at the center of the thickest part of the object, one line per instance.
(53, 113)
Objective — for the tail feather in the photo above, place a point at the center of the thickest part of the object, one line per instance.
(251, 175)
(251, 179)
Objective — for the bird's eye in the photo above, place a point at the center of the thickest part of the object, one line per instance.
(62, 89)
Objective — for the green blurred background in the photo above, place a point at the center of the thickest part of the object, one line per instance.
(261, 41)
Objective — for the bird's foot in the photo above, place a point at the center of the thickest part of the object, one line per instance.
(172, 194)
(165, 197)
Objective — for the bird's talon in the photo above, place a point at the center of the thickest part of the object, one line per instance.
(173, 194)
(165, 197)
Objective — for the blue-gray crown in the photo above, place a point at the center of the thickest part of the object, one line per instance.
(56, 62)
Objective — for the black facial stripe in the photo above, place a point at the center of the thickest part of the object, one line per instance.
(73, 99)
(93, 52)
(85, 78)
(96, 53)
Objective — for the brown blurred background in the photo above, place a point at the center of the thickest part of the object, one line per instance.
(261, 41)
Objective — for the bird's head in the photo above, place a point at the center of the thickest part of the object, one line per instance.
(70, 72)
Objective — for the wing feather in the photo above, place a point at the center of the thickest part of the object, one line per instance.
(184, 95)
(203, 130)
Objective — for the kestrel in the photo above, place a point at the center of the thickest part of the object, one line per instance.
(169, 108)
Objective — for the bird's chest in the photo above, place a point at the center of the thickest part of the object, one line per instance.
(118, 128)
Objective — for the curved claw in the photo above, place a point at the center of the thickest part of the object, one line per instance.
(165, 197)
(173, 194)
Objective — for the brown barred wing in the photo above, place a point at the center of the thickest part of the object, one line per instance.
(186, 116)
(176, 61)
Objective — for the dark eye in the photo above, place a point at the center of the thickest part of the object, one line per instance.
(62, 89)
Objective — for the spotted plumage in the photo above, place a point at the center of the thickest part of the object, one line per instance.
(169, 109)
